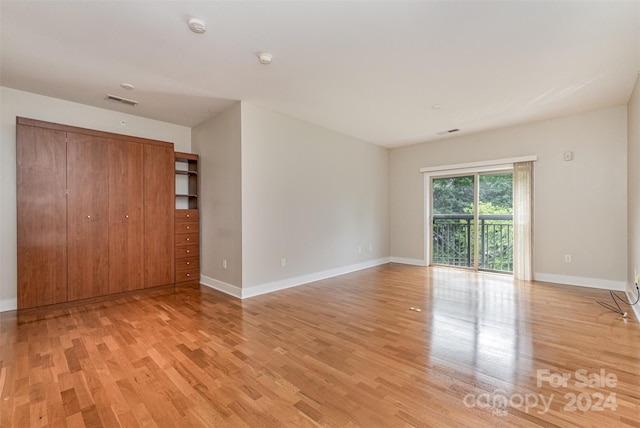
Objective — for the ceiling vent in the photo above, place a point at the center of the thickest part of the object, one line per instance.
(450, 131)
(122, 100)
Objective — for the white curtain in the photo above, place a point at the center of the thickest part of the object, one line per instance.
(523, 220)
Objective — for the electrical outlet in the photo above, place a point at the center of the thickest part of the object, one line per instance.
(567, 258)
(224, 264)
(359, 249)
(283, 262)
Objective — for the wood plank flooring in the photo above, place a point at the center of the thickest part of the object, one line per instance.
(484, 350)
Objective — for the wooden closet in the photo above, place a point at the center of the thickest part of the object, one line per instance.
(95, 213)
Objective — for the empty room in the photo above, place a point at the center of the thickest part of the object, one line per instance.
(320, 213)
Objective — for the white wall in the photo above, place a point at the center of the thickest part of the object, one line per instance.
(633, 181)
(18, 103)
(218, 142)
(580, 206)
(309, 195)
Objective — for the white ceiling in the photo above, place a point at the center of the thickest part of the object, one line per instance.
(372, 70)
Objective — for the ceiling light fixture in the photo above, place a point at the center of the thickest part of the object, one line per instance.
(127, 86)
(197, 25)
(265, 58)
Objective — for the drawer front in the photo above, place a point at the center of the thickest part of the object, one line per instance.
(188, 263)
(183, 227)
(187, 239)
(187, 275)
(187, 251)
(187, 215)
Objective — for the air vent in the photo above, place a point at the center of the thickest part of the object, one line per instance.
(450, 131)
(121, 100)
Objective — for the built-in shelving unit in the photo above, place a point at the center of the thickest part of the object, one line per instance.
(187, 224)
(186, 180)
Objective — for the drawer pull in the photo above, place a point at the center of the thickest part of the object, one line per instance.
(88, 216)
(188, 227)
(188, 215)
(188, 263)
(126, 216)
(188, 251)
(188, 275)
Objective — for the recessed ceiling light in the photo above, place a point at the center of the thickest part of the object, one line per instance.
(265, 58)
(436, 106)
(197, 25)
(127, 85)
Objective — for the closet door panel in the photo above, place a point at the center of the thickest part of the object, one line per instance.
(159, 207)
(42, 216)
(126, 224)
(88, 216)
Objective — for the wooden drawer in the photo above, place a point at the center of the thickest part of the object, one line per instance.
(188, 263)
(183, 227)
(188, 275)
(187, 251)
(187, 215)
(187, 239)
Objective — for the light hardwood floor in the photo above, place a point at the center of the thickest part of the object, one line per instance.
(342, 352)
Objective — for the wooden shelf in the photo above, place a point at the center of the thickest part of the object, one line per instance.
(187, 238)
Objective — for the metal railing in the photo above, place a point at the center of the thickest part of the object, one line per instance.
(454, 242)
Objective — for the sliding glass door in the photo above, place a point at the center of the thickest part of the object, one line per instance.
(472, 221)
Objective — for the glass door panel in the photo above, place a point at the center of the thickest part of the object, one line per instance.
(495, 222)
(453, 225)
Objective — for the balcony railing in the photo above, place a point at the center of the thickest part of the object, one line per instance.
(453, 241)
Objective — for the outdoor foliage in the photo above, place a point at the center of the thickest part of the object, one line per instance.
(453, 238)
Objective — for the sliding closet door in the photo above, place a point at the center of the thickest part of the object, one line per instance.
(126, 224)
(42, 216)
(88, 215)
(159, 209)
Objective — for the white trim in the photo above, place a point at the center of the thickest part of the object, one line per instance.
(312, 277)
(229, 289)
(404, 261)
(480, 164)
(632, 298)
(8, 304)
(269, 287)
(604, 284)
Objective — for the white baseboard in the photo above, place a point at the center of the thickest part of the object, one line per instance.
(8, 304)
(404, 261)
(604, 284)
(244, 293)
(229, 289)
(631, 295)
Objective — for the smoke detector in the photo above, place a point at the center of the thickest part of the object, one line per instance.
(265, 58)
(197, 25)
